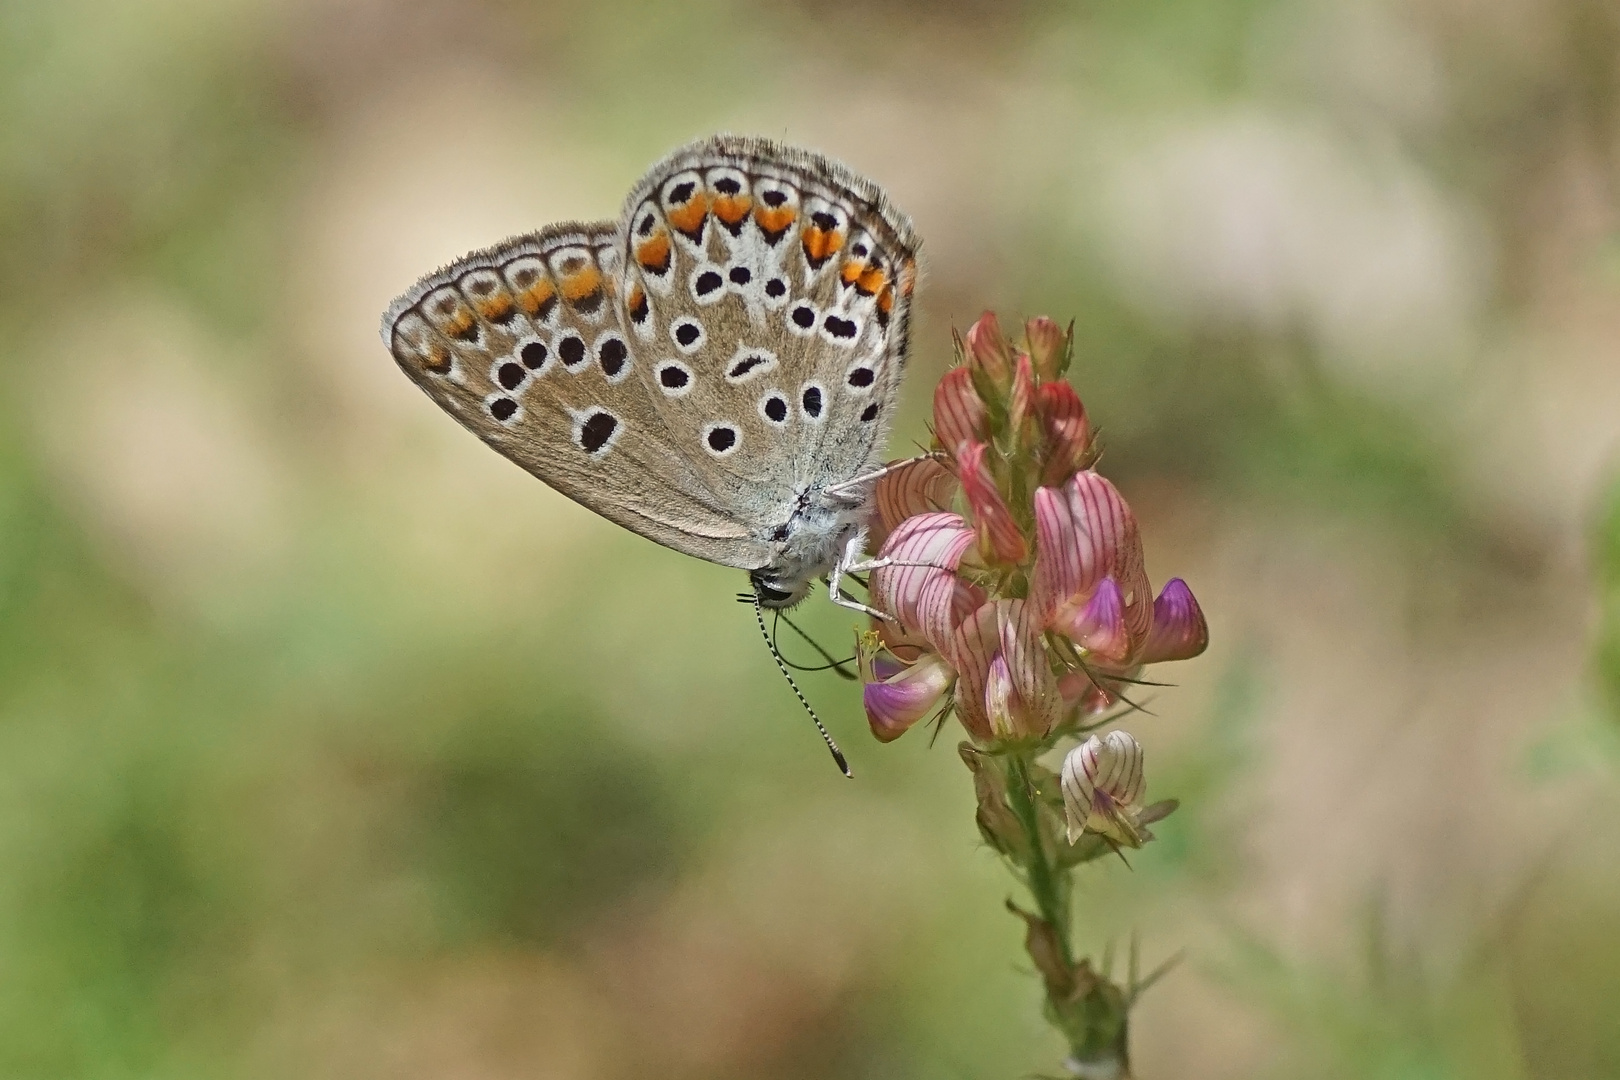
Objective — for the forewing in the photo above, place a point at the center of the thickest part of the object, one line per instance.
(526, 344)
(769, 290)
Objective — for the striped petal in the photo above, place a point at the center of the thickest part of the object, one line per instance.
(1085, 532)
(920, 588)
(999, 535)
(1103, 786)
(959, 413)
(1033, 702)
(972, 649)
(1066, 430)
(917, 487)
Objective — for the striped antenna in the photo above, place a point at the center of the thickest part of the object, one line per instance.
(838, 755)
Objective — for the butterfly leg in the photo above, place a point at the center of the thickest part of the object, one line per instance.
(851, 562)
(851, 487)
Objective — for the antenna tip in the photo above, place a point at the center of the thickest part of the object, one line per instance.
(838, 756)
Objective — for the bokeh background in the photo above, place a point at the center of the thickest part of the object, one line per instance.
(334, 746)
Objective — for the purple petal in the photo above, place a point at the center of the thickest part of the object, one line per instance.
(1099, 626)
(896, 704)
(1179, 631)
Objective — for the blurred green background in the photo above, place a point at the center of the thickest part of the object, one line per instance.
(332, 745)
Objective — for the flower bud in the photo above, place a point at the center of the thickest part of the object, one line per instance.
(1103, 787)
(987, 350)
(1066, 431)
(1048, 346)
(959, 413)
(1021, 398)
(999, 535)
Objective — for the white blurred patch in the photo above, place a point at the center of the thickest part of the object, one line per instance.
(1249, 219)
(159, 452)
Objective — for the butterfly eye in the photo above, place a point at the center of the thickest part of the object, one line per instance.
(770, 596)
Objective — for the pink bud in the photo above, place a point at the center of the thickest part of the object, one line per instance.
(1066, 429)
(959, 414)
(1022, 396)
(1048, 346)
(1179, 631)
(999, 535)
(988, 350)
(905, 696)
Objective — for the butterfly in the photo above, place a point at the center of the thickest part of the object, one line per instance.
(715, 371)
(711, 371)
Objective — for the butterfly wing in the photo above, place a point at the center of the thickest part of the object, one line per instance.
(697, 373)
(526, 346)
(769, 288)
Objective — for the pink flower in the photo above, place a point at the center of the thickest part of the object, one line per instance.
(1091, 585)
(1005, 687)
(1085, 533)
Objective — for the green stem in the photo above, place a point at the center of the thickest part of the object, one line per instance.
(1047, 883)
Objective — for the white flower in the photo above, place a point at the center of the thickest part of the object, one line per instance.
(1103, 788)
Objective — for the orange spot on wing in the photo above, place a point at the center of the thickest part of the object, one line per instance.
(579, 285)
(774, 222)
(871, 280)
(851, 272)
(460, 322)
(496, 307)
(538, 297)
(885, 300)
(732, 210)
(437, 359)
(653, 254)
(689, 218)
(819, 244)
